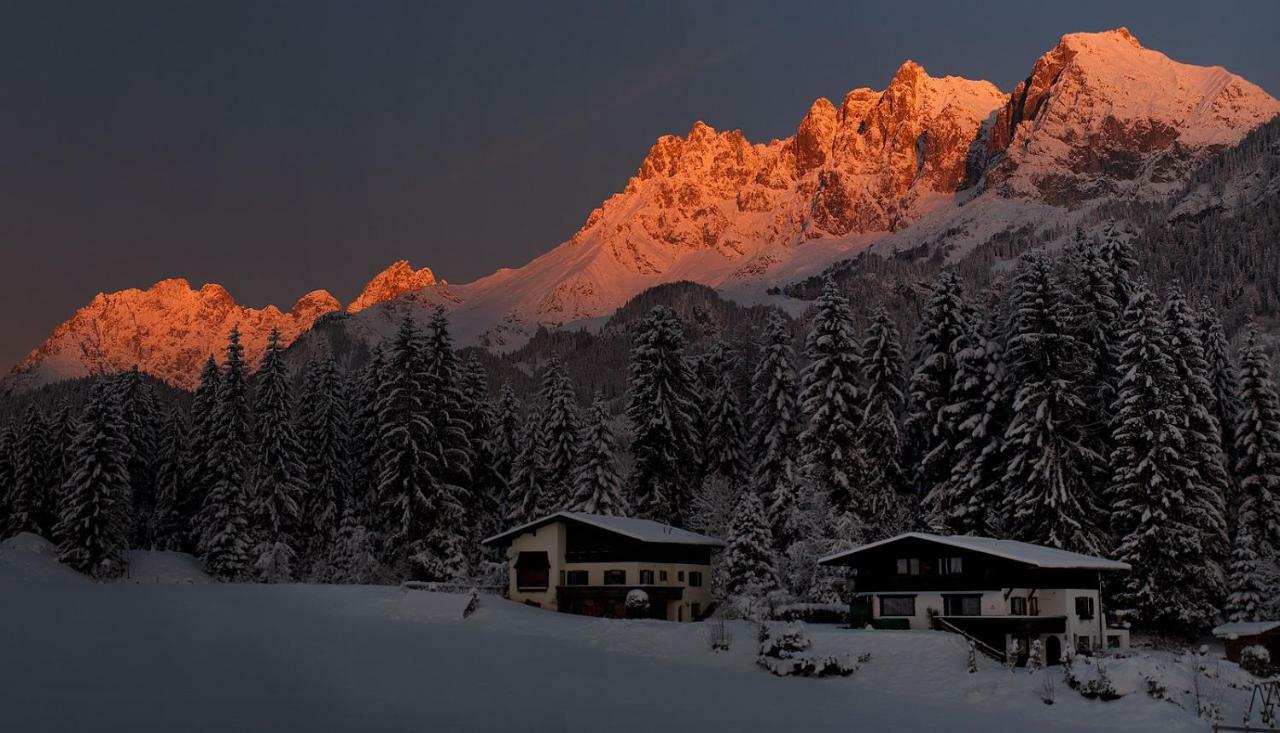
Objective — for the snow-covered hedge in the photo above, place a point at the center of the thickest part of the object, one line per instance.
(813, 613)
(780, 654)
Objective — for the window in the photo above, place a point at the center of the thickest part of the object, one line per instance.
(695, 579)
(908, 566)
(576, 577)
(533, 571)
(950, 566)
(1084, 607)
(1033, 606)
(680, 576)
(897, 605)
(1018, 606)
(646, 577)
(962, 605)
(615, 577)
(662, 576)
(1082, 644)
(1113, 642)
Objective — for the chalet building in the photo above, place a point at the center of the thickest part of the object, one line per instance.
(994, 591)
(587, 564)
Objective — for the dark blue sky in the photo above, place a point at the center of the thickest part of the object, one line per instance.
(279, 147)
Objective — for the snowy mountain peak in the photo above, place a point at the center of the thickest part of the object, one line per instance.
(1102, 115)
(392, 282)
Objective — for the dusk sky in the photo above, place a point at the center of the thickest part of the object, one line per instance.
(277, 148)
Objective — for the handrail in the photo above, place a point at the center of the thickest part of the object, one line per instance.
(979, 644)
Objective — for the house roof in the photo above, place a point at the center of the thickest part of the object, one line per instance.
(644, 530)
(1025, 552)
(1245, 628)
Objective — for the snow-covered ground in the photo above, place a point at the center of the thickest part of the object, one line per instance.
(165, 650)
(218, 657)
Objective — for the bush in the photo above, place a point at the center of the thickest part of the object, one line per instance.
(637, 603)
(780, 654)
(1256, 660)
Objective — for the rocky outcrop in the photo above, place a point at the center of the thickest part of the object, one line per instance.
(396, 280)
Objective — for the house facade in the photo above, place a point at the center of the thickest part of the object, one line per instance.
(588, 564)
(999, 592)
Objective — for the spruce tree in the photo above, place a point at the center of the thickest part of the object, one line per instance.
(1050, 473)
(775, 431)
(560, 429)
(723, 443)
(366, 446)
(171, 523)
(62, 433)
(882, 370)
(1208, 482)
(1258, 450)
(832, 401)
(660, 408)
(488, 483)
(597, 487)
(8, 500)
(506, 432)
(31, 500)
(946, 328)
(199, 472)
(525, 501)
(447, 556)
(137, 402)
(1247, 599)
(225, 531)
(277, 478)
(1173, 583)
(1224, 388)
(410, 468)
(324, 431)
(91, 531)
(966, 501)
(748, 562)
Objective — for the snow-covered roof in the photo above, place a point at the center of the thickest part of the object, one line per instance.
(645, 530)
(1037, 555)
(1245, 628)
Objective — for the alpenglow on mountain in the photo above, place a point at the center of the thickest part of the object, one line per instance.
(926, 163)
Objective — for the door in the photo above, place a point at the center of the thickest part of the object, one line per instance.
(1052, 651)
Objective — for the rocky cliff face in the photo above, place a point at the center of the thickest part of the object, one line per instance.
(927, 161)
(167, 330)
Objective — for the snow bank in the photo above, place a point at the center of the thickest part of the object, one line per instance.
(160, 566)
(29, 558)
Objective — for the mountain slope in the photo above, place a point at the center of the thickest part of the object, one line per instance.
(929, 166)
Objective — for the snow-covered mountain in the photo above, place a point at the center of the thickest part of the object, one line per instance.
(926, 162)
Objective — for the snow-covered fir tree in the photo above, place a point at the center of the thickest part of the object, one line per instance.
(447, 555)
(171, 525)
(560, 430)
(1097, 279)
(1208, 482)
(832, 402)
(324, 432)
(411, 468)
(507, 424)
(723, 443)
(353, 554)
(366, 448)
(525, 500)
(62, 428)
(199, 472)
(277, 477)
(224, 524)
(8, 437)
(1224, 387)
(1050, 470)
(1258, 454)
(775, 431)
(660, 408)
(141, 415)
(488, 483)
(1246, 579)
(30, 499)
(946, 328)
(979, 409)
(597, 487)
(883, 371)
(1174, 583)
(748, 561)
(92, 528)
